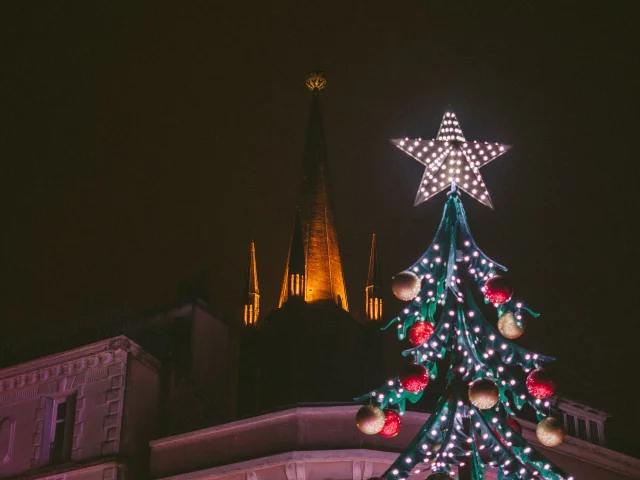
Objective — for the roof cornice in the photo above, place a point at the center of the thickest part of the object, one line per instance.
(70, 362)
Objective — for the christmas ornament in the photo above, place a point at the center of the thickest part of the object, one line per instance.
(405, 286)
(515, 425)
(414, 378)
(370, 420)
(508, 327)
(540, 384)
(392, 423)
(449, 158)
(483, 394)
(497, 290)
(419, 333)
(550, 432)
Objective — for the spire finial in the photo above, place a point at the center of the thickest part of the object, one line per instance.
(316, 81)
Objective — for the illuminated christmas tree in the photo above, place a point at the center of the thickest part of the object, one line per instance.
(489, 377)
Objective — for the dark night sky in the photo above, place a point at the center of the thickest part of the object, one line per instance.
(141, 143)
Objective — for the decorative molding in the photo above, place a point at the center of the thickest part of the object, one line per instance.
(295, 471)
(7, 438)
(362, 470)
(18, 395)
(96, 374)
(368, 469)
(108, 467)
(250, 423)
(84, 364)
(251, 475)
(357, 470)
(289, 460)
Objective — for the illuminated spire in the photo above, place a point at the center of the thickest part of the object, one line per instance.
(294, 274)
(373, 290)
(252, 299)
(324, 280)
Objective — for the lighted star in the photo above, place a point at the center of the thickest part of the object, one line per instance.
(450, 159)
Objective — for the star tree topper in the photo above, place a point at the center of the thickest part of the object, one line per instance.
(450, 159)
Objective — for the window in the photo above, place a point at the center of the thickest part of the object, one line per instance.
(582, 428)
(57, 429)
(571, 425)
(593, 431)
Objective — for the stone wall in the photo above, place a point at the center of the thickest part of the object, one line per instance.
(97, 375)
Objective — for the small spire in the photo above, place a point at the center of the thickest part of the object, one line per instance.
(373, 290)
(252, 293)
(294, 275)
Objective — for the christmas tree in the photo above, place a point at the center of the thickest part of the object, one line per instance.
(489, 378)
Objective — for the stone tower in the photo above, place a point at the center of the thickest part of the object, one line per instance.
(323, 277)
(309, 349)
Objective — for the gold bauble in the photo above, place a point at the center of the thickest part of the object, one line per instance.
(508, 327)
(484, 394)
(550, 432)
(406, 286)
(370, 420)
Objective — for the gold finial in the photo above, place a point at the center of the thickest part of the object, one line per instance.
(315, 81)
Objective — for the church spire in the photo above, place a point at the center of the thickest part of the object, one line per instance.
(373, 290)
(252, 293)
(324, 280)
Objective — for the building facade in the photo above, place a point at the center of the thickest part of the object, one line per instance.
(79, 412)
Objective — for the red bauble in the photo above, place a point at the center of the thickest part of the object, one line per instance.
(500, 437)
(414, 378)
(515, 425)
(419, 333)
(540, 384)
(392, 423)
(497, 290)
